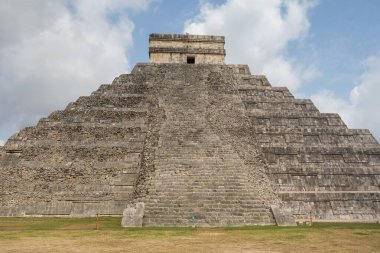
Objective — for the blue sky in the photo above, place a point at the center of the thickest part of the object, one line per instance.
(342, 35)
(51, 52)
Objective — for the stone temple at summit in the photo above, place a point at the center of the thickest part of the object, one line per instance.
(198, 142)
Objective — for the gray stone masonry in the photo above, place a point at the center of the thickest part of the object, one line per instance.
(199, 145)
(186, 48)
(133, 215)
(283, 217)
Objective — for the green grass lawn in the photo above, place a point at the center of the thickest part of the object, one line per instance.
(80, 235)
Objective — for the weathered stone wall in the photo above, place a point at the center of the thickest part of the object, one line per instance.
(79, 161)
(185, 43)
(205, 145)
(200, 58)
(319, 166)
(175, 48)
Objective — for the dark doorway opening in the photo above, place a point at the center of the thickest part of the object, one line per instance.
(190, 60)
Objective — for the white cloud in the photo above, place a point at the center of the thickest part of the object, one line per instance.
(51, 52)
(258, 33)
(2, 142)
(360, 110)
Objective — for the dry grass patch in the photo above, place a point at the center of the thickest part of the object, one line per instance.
(79, 235)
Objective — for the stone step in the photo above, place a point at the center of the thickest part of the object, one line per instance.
(298, 149)
(122, 89)
(334, 206)
(223, 212)
(302, 147)
(94, 153)
(109, 102)
(124, 78)
(280, 104)
(131, 125)
(65, 144)
(91, 143)
(254, 80)
(274, 100)
(96, 114)
(304, 130)
(242, 87)
(293, 118)
(253, 91)
(239, 69)
(316, 140)
(331, 195)
(326, 182)
(288, 114)
(323, 158)
(68, 133)
(333, 169)
(314, 136)
(323, 161)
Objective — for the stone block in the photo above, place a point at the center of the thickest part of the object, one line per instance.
(133, 215)
(283, 218)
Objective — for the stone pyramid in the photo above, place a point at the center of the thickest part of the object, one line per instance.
(198, 142)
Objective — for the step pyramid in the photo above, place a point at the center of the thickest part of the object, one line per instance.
(203, 144)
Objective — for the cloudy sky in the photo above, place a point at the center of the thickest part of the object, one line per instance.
(53, 51)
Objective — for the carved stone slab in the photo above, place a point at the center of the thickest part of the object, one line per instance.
(283, 217)
(133, 215)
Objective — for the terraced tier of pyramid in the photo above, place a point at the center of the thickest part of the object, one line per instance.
(203, 144)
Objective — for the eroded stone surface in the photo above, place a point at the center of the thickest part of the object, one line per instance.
(133, 215)
(283, 217)
(207, 141)
(180, 48)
